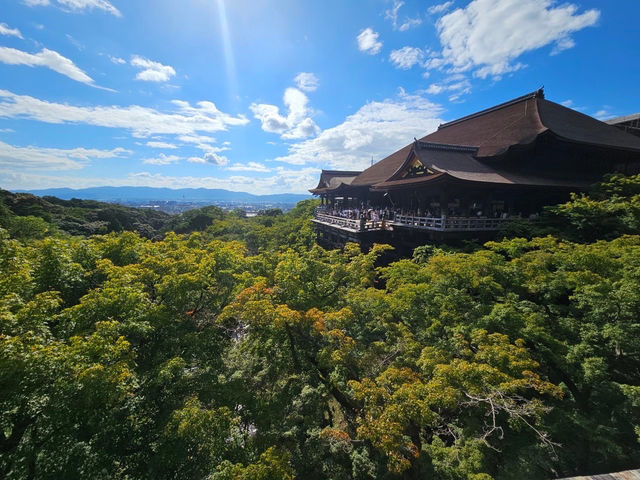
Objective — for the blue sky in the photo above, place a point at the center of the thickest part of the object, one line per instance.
(260, 95)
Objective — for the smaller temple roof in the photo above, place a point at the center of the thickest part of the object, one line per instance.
(628, 123)
(626, 475)
(457, 162)
(623, 119)
(331, 180)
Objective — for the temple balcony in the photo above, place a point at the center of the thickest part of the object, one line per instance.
(349, 224)
(438, 224)
(449, 223)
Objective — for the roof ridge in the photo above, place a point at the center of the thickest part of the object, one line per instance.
(536, 94)
(444, 146)
(342, 171)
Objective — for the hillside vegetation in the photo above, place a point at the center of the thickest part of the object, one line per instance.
(236, 348)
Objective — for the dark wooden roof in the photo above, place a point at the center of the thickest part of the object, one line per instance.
(332, 179)
(497, 129)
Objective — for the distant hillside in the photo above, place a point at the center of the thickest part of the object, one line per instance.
(20, 212)
(26, 215)
(144, 194)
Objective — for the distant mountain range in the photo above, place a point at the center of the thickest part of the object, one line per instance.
(151, 194)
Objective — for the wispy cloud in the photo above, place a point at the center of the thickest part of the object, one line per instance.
(368, 41)
(49, 59)
(76, 5)
(406, 24)
(162, 159)
(45, 58)
(186, 119)
(12, 32)
(439, 8)
(170, 146)
(38, 158)
(117, 60)
(454, 85)
(249, 167)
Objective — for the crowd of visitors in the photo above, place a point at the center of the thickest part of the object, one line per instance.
(378, 214)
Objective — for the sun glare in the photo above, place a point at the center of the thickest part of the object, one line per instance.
(230, 66)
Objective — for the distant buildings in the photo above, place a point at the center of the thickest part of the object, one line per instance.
(472, 174)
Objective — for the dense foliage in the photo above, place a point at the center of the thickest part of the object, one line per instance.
(244, 351)
(26, 216)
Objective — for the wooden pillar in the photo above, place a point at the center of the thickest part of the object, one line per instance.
(444, 202)
(487, 204)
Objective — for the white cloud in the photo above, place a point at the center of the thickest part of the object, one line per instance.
(392, 15)
(152, 71)
(439, 8)
(368, 41)
(305, 128)
(45, 58)
(297, 123)
(456, 85)
(603, 114)
(141, 121)
(376, 129)
(203, 142)
(170, 146)
(162, 159)
(306, 81)
(78, 5)
(196, 139)
(269, 116)
(39, 158)
(406, 57)
(13, 32)
(488, 35)
(563, 44)
(409, 23)
(211, 158)
(249, 167)
(117, 60)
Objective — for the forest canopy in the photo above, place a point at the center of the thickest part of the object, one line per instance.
(223, 347)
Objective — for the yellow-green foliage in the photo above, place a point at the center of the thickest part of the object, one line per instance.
(199, 356)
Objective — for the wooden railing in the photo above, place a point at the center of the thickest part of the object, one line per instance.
(450, 223)
(358, 225)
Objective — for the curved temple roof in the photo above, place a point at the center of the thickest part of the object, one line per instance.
(460, 163)
(331, 180)
(494, 131)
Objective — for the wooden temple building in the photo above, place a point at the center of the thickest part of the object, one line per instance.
(472, 174)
